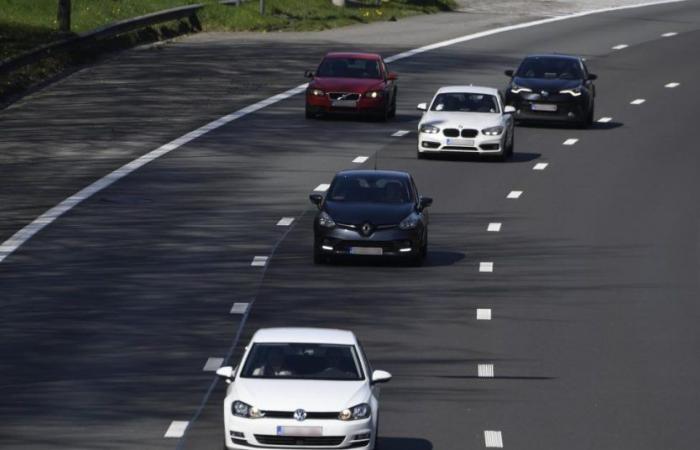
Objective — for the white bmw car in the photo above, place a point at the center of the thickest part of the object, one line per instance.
(466, 119)
(302, 388)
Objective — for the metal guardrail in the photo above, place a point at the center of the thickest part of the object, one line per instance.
(108, 31)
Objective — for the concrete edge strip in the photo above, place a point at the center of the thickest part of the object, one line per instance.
(28, 231)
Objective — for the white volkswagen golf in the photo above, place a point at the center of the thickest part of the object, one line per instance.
(302, 388)
(466, 119)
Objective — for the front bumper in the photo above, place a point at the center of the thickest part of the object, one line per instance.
(438, 143)
(324, 105)
(245, 434)
(565, 108)
(393, 242)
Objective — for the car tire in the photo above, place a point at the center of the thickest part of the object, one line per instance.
(511, 146)
(309, 113)
(392, 110)
(420, 155)
(319, 258)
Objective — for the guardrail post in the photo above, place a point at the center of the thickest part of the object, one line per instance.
(64, 16)
(262, 7)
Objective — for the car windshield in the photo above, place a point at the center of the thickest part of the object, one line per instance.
(370, 189)
(465, 102)
(550, 67)
(349, 68)
(303, 362)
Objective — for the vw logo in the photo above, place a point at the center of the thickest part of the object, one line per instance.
(300, 415)
(545, 94)
(366, 229)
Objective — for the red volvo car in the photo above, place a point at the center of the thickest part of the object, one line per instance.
(352, 83)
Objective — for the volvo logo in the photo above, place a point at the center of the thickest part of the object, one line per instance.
(545, 94)
(366, 229)
(300, 415)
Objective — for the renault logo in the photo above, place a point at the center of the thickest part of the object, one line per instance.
(366, 229)
(300, 415)
(545, 94)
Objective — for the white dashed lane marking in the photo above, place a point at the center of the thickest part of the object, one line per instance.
(637, 101)
(493, 439)
(259, 261)
(669, 34)
(540, 166)
(212, 364)
(239, 308)
(176, 429)
(604, 119)
(360, 159)
(483, 314)
(285, 221)
(514, 194)
(401, 133)
(570, 141)
(485, 371)
(672, 85)
(494, 227)
(485, 267)
(620, 46)
(323, 187)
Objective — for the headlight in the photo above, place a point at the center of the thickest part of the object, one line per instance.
(429, 129)
(325, 220)
(492, 131)
(361, 411)
(574, 92)
(241, 409)
(373, 94)
(410, 222)
(317, 92)
(515, 89)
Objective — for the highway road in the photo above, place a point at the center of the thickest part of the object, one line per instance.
(111, 312)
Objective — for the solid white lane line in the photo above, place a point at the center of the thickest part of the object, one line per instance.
(485, 267)
(669, 34)
(27, 232)
(259, 261)
(483, 314)
(604, 119)
(176, 429)
(493, 439)
(514, 194)
(485, 371)
(620, 46)
(570, 141)
(540, 166)
(212, 364)
(401, 133)
(672, 85)
(239, 308)
(360, 159)
(323, 187)
(285, 221)
(638, 101)
(494, 227)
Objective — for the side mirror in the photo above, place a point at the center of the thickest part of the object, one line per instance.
(509, 109)
(316, 199)
(592, 76)
(424, 202)
(380, 376)
(509, 73)
(392, 76)
(422, 107)
(226, 372)
(309, 74)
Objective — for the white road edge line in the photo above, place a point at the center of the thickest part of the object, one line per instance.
(570, 141)
(637, 101)
(540, 166)
(212, 364)
(514, 194)
(360, 159)
(620, 46)
(671, 85)
(28, 231)
(485, 267)
(483, 314)
(485, 371)
(494, 227)
(285, 221)
(239, 308)
(493, 439)
(259, 261)
(401, 133)
(604, 119)
(176, 429)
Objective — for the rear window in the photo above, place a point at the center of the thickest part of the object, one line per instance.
(349, 68)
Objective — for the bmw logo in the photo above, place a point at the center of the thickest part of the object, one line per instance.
(300, 415)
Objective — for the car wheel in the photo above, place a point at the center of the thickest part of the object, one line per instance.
(309, 113)
(319, 258)
(420, 155)
(392, 111)
(511, 146)
(591, 115)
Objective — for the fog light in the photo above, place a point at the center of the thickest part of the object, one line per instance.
(405, 249)
(327, 248)
(361, 437)
(237, 434)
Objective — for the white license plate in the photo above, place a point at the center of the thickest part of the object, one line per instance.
(366, 251)
(544, 107)
(299, 431)
(344, 103)
(462, 142)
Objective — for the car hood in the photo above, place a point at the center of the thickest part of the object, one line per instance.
(310, 395)
(551, 85)
(353, 213)
(467, 120)
(358, 85)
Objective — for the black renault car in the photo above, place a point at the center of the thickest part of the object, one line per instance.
(552, 88)
(372, 213)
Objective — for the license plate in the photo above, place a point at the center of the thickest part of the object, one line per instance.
(543, 107)
(462, 142)
(366, 251)
(299, 431)
(344, 103)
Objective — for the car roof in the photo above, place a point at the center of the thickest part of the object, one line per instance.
(554, 55)
(304, 335)
(468, 89)
(356, 55)
(394, 173)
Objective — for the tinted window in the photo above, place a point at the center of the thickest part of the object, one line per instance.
(302, 362)
(370, 188)
(349, 68)
(548, 67)
(459, 101)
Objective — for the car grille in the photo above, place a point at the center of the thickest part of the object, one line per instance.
(347, 95)
(469, 133)
(451, 132)
(309, 415)
(454, 132)
(320, 441)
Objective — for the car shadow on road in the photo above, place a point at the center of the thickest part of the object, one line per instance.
(399, 443)
(570, 126)
(435, 258)
(518, 157)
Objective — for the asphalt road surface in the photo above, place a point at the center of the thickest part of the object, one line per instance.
(110, 314)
